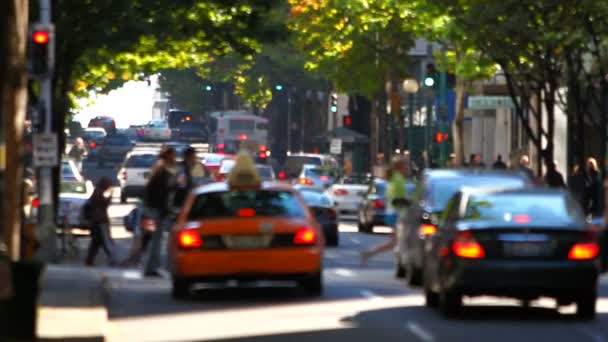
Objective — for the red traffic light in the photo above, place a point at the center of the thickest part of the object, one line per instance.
(347, 121)
(40, 36)
(441, 137)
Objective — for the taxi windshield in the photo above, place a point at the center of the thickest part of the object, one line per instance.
(259, 202)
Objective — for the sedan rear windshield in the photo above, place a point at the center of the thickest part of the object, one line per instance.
(250, 202)
(315, 199)
(297, 162)
(545, 209)
(441, 190)
(117, 140)
(141, 161)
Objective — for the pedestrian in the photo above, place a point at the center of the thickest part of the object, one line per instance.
(99, 222)
(499, 164)
(158, 202)
(189, 170)
(593, 203)
(524, 167)
(554, 178)
(577, 185)
(396, 189)
(143, 229)
(77, 153)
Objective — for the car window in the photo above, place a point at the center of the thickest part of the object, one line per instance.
(141, 161)
(256, 202)
(440, 190)
(117, 140)
(213, 159)
(227, 166)
(523, 208)
(73, 188)
(295, 163)
(264, 171)
(316, 172)
(67, 171)
(241, 125)
(315, 199)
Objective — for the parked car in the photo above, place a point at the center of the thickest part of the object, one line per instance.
(191, 131)
(372, 211)
(114, 148)
(429, 199)
(134, 173)
(72, 197)
(157, 130)
(348, 193)
(324, 211)
(295, 163)
(105, 122)
(318, 176)
(523, 243)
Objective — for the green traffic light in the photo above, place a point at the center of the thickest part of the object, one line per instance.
(208, 88)
(333, 108)
(278, 87)
(429, 81)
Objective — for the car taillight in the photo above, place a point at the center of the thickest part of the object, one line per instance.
(324, 178)
(246, 212)
(242, 136)
(584, 251)
(262, 155)
(378, 204)
(426, 229)
(466, 247)
(93, 144)
(35, 202)
(306, 181)
(340, 192)
(220, 146)
(140, 131)
(305, 236)
(282, 175)
(189, 238)
(263, 148)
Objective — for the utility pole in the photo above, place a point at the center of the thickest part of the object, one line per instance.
(289, 120)
(442, 115)
(47, 230)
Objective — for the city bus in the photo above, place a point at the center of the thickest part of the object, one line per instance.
(233, 130)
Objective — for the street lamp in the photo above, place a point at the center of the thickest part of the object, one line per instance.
(410, 87)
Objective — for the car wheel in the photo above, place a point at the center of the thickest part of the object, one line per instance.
(431, 298)
(585, 305)
(413, 275)
(332, 240)
(399, 269)
(313, 285)
(450, 303)
(180, 289)
(123, 197)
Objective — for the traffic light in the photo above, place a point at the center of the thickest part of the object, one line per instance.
(441, 137)
(346, 121)
(278, 87)
(333, 103)
(208, 87)
(40, 48)
(431, 75)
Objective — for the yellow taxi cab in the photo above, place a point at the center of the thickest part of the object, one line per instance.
(245, 229)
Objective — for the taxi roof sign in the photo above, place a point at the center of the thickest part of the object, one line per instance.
(244, 173)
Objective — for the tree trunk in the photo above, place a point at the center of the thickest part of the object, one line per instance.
(13, 102)
(457, 127)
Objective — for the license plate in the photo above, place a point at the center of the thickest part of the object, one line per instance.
(246, 241)
(526, 249)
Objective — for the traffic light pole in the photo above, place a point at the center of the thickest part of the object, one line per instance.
(442, 115)
(47, 231)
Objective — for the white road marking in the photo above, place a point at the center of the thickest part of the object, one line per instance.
(594, 336)
(383, 230)
(132, 275)
(343, 272)
(355, 240)
(348, 228)
(419, 331)
(370, 295)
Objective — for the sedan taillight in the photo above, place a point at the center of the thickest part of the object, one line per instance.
(340, 192)
(305, 236)
(465, 246)
(427, 229)
(189, 238)
(584, 251)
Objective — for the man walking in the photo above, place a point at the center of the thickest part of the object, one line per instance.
(97, 214)
(499, 164)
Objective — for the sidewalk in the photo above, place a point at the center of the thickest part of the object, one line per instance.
(72, 304)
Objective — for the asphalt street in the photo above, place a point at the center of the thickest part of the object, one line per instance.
(359, 304)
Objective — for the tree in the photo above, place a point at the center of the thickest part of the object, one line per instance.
(13, 98)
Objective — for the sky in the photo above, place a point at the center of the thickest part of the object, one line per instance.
(129, 105)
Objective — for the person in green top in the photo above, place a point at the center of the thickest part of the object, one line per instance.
(396, 188)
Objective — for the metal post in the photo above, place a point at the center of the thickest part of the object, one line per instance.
(410, 118)
(442, 115)
(288, 121)
(427, 131)
(47, 229)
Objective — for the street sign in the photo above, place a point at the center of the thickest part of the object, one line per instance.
(336, 146)
(490, 102)
(46, 149)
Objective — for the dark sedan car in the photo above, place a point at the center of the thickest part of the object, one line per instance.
(324, 212)
(432, 193)
(524, 243)
(372, 211)
(191, 131)
(114, 148)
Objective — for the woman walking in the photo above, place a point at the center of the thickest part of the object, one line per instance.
(158, 201)
(594, 201)
(99, 222)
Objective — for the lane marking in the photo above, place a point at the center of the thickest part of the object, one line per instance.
(355, 240)
(419, 331)
(594, 336)
(132, 275)
(344, 272)
(370, 295)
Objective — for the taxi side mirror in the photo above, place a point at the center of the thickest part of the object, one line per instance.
(401, 203)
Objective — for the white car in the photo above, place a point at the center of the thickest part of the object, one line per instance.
(72, 197)
(157, 130)
(347, 195)
(134, 173)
